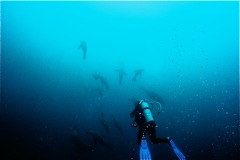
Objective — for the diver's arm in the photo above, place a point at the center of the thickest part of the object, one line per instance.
(133, 113)
(136, 110)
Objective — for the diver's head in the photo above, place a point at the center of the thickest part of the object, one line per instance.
(137, 104)
(141, 102)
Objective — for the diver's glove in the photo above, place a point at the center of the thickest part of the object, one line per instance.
(134, 124)
(178, 153)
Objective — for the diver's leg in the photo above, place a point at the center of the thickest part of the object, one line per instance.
(141, 133)
(154, 139)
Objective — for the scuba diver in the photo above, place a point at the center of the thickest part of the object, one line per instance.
(145, 120)
(146, 123)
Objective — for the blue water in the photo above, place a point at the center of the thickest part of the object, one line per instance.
(189, 55)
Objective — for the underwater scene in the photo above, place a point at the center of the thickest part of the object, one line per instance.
(73, 72)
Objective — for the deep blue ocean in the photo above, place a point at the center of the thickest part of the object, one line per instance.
(187, 53)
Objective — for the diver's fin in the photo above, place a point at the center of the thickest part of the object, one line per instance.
(144, 151)
(178, 153)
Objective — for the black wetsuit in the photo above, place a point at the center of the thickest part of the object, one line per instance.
(146, 127)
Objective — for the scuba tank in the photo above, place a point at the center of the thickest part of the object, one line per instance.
(146, 111)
